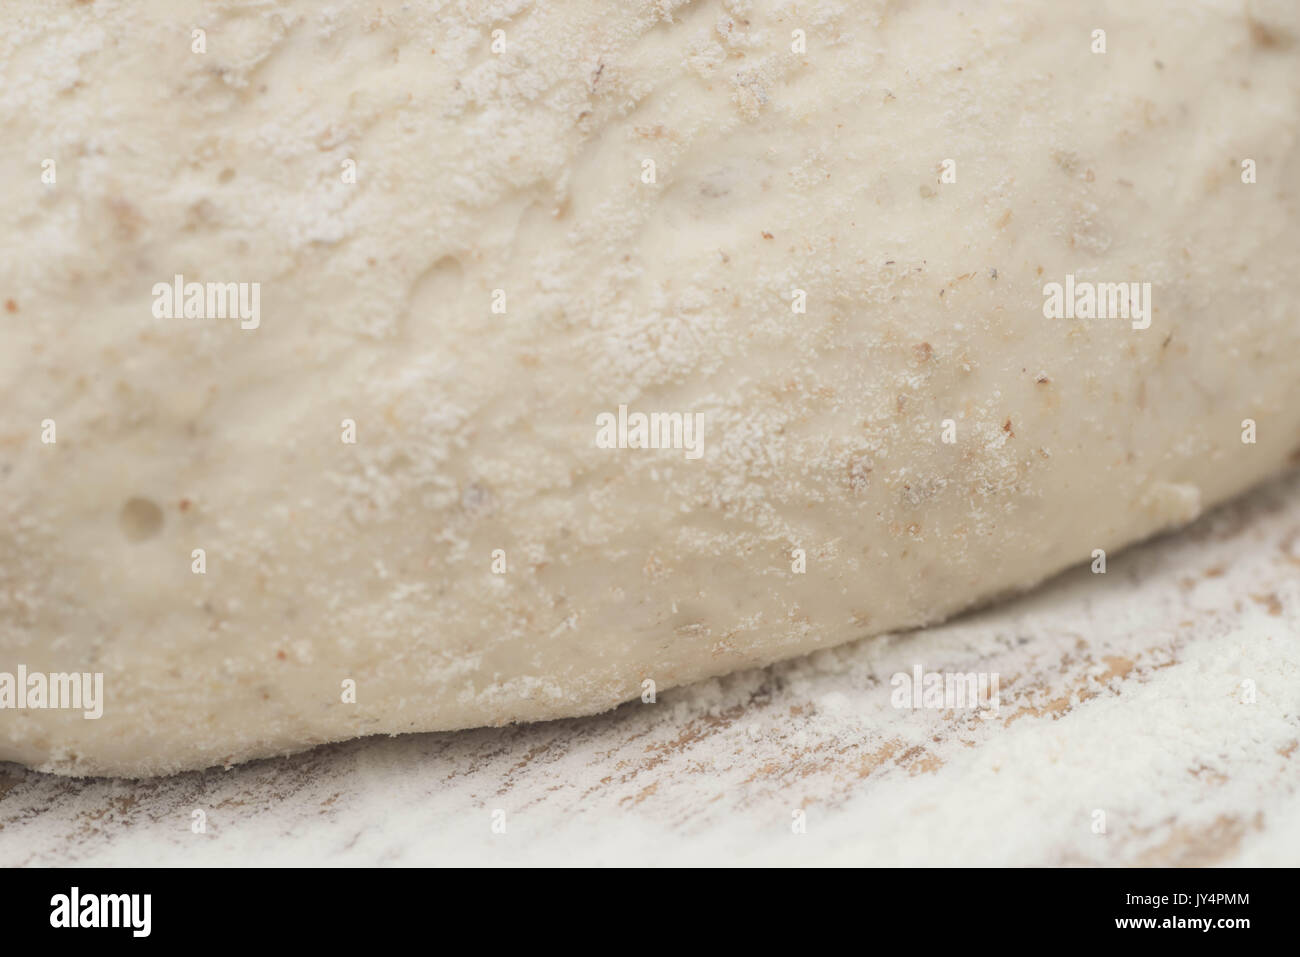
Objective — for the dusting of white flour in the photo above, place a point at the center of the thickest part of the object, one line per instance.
(1122, 703)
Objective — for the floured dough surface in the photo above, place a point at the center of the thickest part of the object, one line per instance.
(518, 177)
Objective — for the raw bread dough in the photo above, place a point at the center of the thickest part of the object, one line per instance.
(524, 171)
